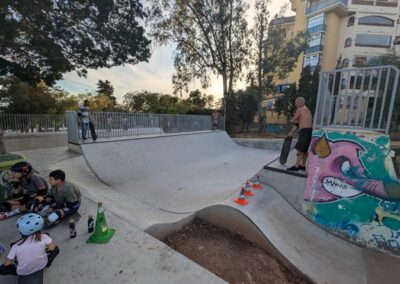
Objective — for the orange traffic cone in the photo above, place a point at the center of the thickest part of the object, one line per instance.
(256, 183)
(241, 200)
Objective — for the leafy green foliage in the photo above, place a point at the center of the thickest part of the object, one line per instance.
(247, 106)
(211, 37)
(145, 101)
(105, 88)
(41, 40)
(308, 87)
(285, 103)
(390, 58)
(18, 96)
(273, 56)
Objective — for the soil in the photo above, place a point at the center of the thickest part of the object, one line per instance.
(230, 256)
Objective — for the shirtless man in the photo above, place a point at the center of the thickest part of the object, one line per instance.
(303, 119)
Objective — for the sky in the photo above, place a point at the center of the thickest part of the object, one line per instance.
(154, 75)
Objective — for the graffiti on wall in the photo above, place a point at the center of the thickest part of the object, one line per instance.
(352, 188)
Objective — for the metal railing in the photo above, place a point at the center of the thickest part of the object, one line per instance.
(324, 4)
(313, 49)
(112, 124)
(32, 123)
(317, 29)
(358, 98)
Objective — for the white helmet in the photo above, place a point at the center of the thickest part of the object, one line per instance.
(30, 224)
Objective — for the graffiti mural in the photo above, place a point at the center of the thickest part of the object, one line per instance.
(352, 187)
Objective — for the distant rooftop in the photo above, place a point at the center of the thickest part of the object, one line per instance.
(283, 20)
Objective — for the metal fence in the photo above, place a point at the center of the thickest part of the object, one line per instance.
(112, 124)
(32, 123)
(358, 98)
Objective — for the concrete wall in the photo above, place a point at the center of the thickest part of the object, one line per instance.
(329, 57)
(299, 7)
(21, 142)
(353, 188)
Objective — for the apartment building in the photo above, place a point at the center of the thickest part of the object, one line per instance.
(343, 33)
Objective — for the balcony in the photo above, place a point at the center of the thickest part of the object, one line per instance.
(337, 6)
(316, 29)
(313, 49)
(382, 3)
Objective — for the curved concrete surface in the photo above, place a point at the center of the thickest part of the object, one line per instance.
(268, 220)
(176, 173)
(132, 256)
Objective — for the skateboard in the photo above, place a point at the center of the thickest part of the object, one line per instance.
(285, 149)
(92, 131)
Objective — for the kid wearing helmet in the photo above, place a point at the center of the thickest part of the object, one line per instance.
(32, 253)
(25, 186)
(63, 199)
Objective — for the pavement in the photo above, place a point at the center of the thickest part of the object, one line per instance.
(153, 186)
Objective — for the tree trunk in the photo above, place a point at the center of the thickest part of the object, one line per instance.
(260, 77)
(2, 142)
(225, 85)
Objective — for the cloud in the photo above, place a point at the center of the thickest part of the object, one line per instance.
(153, 76)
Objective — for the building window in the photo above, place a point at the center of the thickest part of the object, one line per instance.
(350, 21)
(373, 40)
(376, 21)
(315, 40)
(311, 60)
(345, 62)
(360, 60)
(316, 21)
(347, 42)
(383, 3)
(396, 40)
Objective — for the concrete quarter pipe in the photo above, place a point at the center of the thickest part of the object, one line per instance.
(176, 173)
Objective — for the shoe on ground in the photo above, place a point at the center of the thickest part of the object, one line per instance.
(302, 168)
(3, 216)
(293, 169)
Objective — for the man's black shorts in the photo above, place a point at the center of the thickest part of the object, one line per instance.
(304, 141)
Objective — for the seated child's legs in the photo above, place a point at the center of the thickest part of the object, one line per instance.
(61, 213)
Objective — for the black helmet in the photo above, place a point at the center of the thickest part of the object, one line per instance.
(22, 167)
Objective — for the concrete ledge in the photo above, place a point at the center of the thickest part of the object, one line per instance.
(32, 141)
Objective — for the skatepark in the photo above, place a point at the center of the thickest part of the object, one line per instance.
(152, 185)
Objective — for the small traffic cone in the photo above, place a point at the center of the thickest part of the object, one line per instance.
(247, 190)
(241, 200)
(256, 183)
(247, 185)
(102, 234)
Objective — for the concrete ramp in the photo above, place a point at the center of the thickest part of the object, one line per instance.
(176, 173)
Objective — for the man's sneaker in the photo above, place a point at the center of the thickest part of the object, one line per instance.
(293, 169)
(302, 168)
(3, 216)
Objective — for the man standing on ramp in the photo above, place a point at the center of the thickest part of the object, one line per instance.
(303, 118)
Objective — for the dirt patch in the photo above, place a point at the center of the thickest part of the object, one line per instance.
(230, 256)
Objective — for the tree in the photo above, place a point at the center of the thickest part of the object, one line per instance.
(273, 54)
(285, 103)
(20, 97)
(145, 101)
(41, 40)
(200, 101)
(98, 102)
(105, 88)
(312, 99)
(308, 87)
(211, 37)
(232, 112)
(247, 105)
(390, 58)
